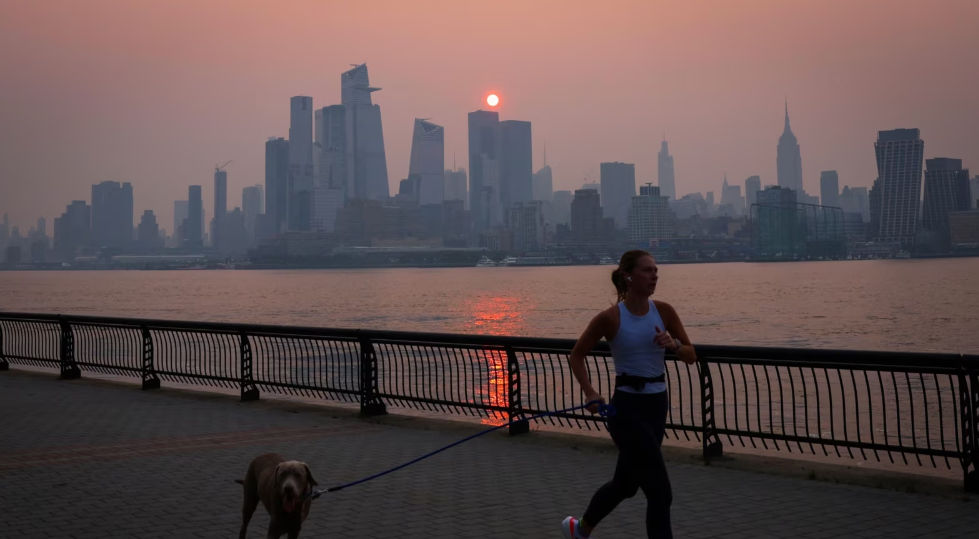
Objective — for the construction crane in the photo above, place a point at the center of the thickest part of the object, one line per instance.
(219, 167)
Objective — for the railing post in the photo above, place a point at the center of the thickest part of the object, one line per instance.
(4, 364)
(150, 381)
(370, 403)
(249, 392)
(969, 398)
(69, 370)
(712, 444)
(518, 425)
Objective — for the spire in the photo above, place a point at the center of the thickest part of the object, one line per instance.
(545, 153)
(787, 128)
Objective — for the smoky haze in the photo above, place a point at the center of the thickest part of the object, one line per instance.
(156, 93)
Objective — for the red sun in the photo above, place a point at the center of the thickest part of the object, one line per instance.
(493, 100)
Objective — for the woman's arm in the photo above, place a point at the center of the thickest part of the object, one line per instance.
(596, 329)
(674, 326)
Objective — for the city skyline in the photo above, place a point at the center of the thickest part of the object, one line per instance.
(706, 122)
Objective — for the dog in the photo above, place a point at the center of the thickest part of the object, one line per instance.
(284, 488)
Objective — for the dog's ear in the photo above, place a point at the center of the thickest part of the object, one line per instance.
(309, 475)
(275, 483)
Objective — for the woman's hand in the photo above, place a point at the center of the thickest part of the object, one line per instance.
(665, 340)
(591, 397)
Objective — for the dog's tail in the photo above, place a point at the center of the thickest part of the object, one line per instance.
(239, 481)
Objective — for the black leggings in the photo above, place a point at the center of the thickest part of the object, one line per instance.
(637, 428)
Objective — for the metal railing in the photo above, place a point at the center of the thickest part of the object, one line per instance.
(866, 404)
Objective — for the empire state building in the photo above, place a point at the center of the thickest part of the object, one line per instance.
(789, 158)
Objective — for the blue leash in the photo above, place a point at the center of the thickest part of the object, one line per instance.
(604, 410)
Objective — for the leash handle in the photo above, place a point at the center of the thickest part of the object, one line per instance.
(604, 410)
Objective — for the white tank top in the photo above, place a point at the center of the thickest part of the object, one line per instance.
(634, 350)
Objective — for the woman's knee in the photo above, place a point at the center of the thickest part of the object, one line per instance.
(658, 491)
(626, 489)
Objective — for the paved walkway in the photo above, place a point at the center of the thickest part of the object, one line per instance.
(85, 459)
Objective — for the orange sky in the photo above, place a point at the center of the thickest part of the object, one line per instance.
(155, 93)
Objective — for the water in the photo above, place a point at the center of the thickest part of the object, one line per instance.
(914, 305)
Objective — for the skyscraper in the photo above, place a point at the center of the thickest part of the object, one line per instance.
(366, 163)
(974, 198)
(300, 163)
(194, 224)
(112, 214)
(947, 190)
(428, 161)
(220, 205)
(456, 186)
(778, 196)
(896, 193)
(650, 216)
(789, 159)
(251, 208)
(331, 137)
(855, 200)
(544, 184)
(829, 188)
(665, 178)
(180, 214)
(751, 187)
(276, 185)
(73, 230)
(731, 197)
(587, 216)
(484, 169)
(561, 208)
(618, 187)
(517, 163)
(327, 202)
(526, 221)
(148, 233)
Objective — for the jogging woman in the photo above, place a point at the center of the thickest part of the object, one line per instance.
(639, 331)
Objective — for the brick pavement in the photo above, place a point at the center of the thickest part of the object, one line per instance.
(84, 459)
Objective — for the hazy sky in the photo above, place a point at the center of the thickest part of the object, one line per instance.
(157, 92)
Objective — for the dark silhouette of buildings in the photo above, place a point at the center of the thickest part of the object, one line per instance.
(829, 188)
(587, 220)
(946, 190)
(148, 233)
(618, 183)
(789, 161)
(193, 225)
(112, 215)
(73, 230)
(220, 205)
(665, 174)
(276, 187)
(516, 164)
(896, 193)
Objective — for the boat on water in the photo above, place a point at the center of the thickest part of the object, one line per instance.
(509, 261)
(485, 262)
(606, 261)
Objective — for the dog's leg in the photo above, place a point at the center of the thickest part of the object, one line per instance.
(247, 510)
